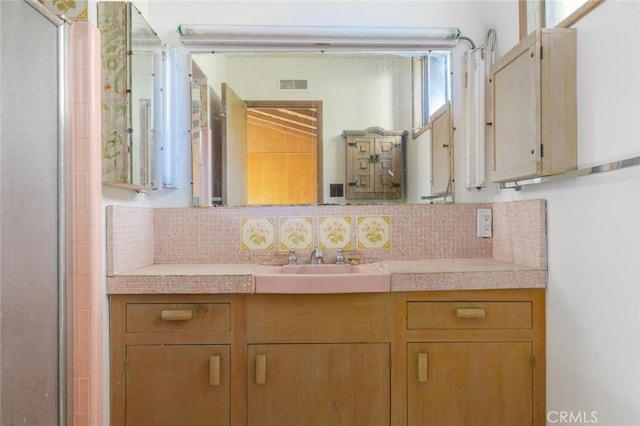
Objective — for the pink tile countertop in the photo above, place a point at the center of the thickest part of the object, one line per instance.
(462, 274)
(413, 275)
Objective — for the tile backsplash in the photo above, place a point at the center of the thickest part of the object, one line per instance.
(370, 233)
(258, 233)
(334, 232)
(296, 232)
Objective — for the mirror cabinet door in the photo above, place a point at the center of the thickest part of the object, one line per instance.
(130, 54)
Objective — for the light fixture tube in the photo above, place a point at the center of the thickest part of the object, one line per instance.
(238, 37)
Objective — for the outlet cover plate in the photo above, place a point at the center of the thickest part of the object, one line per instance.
(484, 223)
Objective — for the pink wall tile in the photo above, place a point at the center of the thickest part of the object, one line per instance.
(520, 232)
(417, 232)
(81, 361)
(129, 238)
(81, 395)
(84, 227)
(420, 231)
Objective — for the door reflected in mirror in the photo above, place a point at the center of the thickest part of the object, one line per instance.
(277, 136)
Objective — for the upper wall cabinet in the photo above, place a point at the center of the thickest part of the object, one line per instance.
(132, 56)
(533, 130)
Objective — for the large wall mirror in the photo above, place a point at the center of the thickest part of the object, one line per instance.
(277, 119)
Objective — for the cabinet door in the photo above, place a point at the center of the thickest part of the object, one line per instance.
(319, 384)
(388, 170)
(178, 385)
(470, 383)
(360, 166)
(516, 128)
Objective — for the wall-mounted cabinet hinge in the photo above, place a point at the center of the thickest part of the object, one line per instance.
(533, 361)
(541, 53)
(541, 150)
(125, 366)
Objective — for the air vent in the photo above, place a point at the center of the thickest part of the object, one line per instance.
(293, 84)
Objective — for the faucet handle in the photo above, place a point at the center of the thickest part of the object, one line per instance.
(293, 259)
(340, 257)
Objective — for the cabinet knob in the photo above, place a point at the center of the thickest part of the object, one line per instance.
(423, 367)
(471, 312)
(261, 369)
(176, 315)
(214, 370)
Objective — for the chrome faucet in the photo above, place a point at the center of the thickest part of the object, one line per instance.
(316, 256)
(340, 257)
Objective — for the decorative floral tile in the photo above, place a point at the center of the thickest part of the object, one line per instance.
(374, 232)
(334, 232)
(296, 232)
(258, 233)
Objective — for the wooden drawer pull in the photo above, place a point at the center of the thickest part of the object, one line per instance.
(176, 315)
(261, 369)
(214, 370)
(471, 312)
(423, 367)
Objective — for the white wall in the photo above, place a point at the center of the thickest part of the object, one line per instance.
(593, 301)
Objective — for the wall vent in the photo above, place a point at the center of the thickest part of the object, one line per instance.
(293, 84)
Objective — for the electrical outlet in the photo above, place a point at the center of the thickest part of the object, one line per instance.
(484, 223)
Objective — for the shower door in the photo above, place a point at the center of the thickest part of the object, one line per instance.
(29, 212)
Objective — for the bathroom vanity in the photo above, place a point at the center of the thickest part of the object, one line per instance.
(463, 357)
(454, 336)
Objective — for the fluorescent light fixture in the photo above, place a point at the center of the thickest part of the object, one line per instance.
(474, 96)
(246, 38)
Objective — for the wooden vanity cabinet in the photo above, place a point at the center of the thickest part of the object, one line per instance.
(417, 358)
(170, 360)
(533, 117)
(475, 358)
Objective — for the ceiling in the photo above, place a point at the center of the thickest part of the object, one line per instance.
(302, 121)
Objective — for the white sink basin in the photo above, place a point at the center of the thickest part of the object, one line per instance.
(324, 278)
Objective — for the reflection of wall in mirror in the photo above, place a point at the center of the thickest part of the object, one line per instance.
(358, 91)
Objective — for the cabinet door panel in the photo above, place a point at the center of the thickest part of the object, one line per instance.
(470, 383)
(360, 168)
(319, 384)
(517, 115)
(178, 385)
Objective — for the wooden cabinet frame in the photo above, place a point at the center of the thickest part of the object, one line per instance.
(532, 128)
(393, 320)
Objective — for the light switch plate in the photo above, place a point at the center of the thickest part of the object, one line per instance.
(484, 223)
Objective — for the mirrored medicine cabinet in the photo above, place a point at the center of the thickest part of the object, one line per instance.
(267, 127)
(132, 68)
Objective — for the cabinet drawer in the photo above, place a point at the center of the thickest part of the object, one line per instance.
(169, 317)
(466, 315)
(302, 318)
